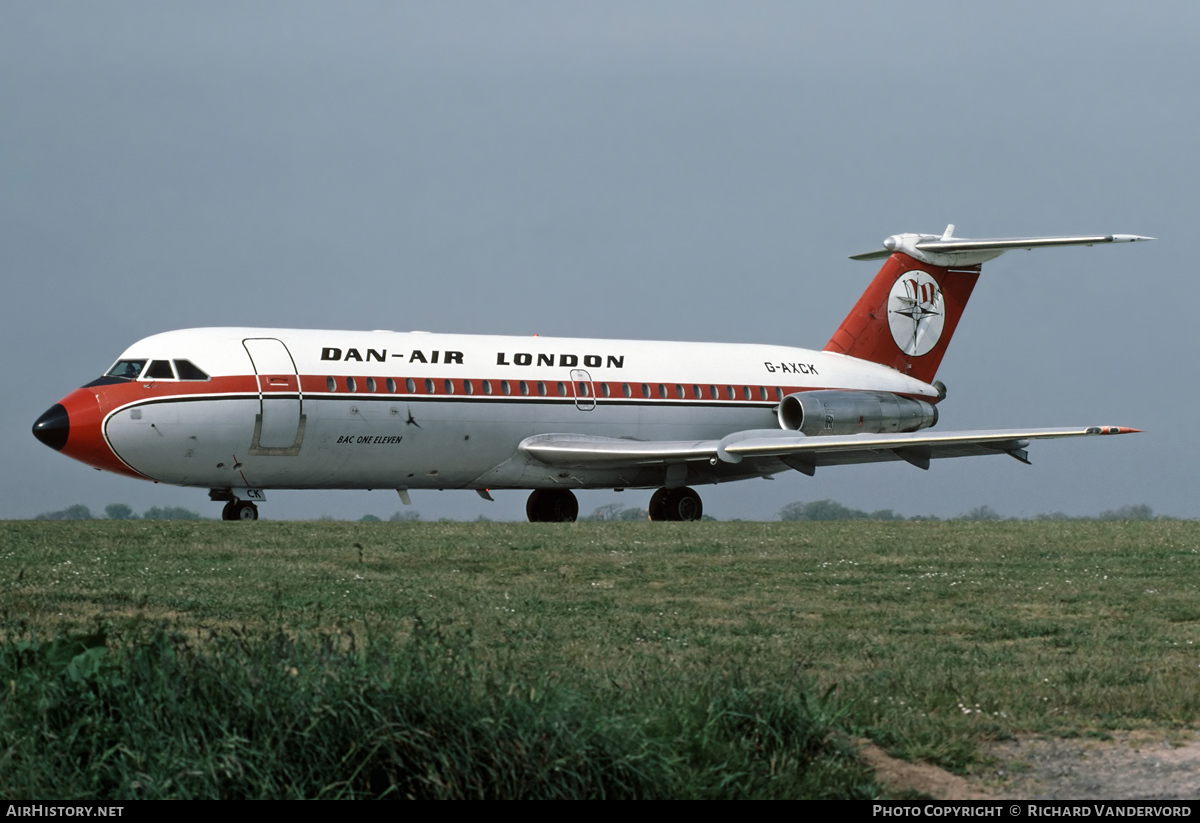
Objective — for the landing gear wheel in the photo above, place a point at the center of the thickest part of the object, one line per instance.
(685, 505)
(227, 512)
(676, 504)
(551, 506)
(241, 510)
(658, 505)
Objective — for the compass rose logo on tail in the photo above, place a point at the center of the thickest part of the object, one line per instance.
(916, 312)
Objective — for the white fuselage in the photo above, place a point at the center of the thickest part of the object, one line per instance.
(287, 408)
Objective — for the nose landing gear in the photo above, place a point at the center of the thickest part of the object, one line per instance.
(552, 506)
(235, 508)
(676, 504)
(239, 510)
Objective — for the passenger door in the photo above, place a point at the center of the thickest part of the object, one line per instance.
(583, 389)
(279, 425)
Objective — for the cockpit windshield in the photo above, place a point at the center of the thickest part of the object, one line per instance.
(158, 370)
(127, 369)
(188, 371)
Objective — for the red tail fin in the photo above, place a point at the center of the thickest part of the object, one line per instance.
(906, 317)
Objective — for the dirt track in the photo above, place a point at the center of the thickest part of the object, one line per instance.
(1128, 767)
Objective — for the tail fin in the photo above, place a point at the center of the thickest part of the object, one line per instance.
(906, 317)
(908, 314)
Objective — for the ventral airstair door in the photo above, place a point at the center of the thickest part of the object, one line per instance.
(279, 425)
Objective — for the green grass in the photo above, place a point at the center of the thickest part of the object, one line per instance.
(244, 715)
(935, 637)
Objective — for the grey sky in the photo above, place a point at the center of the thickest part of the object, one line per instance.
(695, 171)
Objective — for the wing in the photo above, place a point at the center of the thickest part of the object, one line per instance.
(794, 449)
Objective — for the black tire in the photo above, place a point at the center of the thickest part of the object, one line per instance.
(245, 510)
(685, 504)
(552, 506)
(658, 505)
(227, 512)
(564, 507)
(534, 507)
(676, 504)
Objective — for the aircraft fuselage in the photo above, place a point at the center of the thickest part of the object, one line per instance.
(305, 409)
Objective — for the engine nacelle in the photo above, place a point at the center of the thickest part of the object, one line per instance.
(854, 412)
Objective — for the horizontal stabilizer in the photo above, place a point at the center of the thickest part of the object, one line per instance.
(871, 255)
(944, 250)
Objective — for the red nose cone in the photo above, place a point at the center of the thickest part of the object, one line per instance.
(74, 426)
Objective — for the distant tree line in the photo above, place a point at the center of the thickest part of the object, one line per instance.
(120, 511)
(833, 510)
(614, 512)
(397, 517)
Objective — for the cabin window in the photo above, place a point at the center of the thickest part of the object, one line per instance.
(583, 390)
(626, 390)
(562, 389)
(716, 395)
(645, 390)
(188, 371)
(160, 370)
(524, 388)
(732, 392)
(541, 388)
(127, 369)
(605, 390)
(762, 392)
(410, 385)
(505, 388)
(428, 386)
(468, 387)
(487, 386)
(330, 384)
(679, 391)
(351, 384)
(448, 385)
(391, 386)
(778, 393)
(697, 392)
(371, 385)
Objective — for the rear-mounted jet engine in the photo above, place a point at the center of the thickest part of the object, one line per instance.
(858, 412)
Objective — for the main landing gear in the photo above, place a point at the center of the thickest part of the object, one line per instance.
(560, 505)
(676, 504)
(552, 506)
(239, 510)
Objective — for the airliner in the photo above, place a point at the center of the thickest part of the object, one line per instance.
(240, 411)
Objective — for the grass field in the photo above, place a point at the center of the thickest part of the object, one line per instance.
(934, 637)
